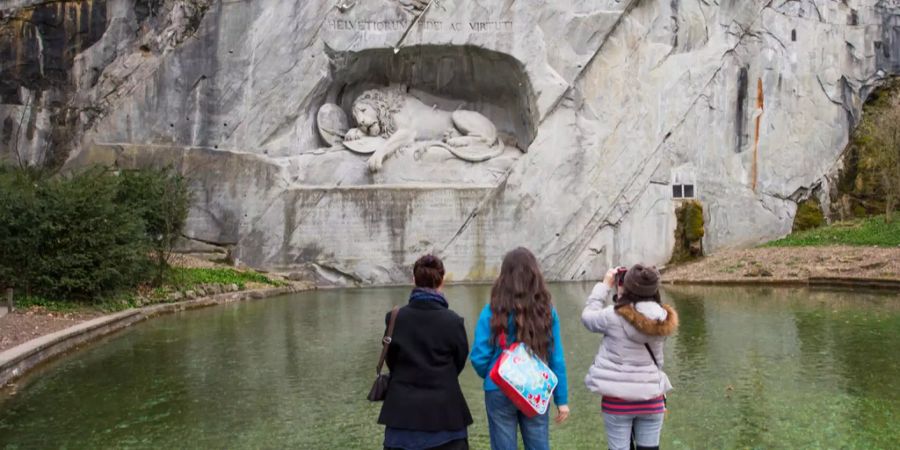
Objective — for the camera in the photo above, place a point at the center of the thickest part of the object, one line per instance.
(620, 275)
(619, 281)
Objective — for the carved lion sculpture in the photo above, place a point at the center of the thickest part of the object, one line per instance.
(397, 119)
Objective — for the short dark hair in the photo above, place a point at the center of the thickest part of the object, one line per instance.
(428, 272)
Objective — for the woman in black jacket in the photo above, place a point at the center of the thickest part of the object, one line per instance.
(424, 407)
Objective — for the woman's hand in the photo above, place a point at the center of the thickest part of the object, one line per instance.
(610, 278)
(562, 413)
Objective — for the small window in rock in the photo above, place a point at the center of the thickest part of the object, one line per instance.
(683, 191)
(794, 35)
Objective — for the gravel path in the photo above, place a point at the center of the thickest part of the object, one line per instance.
(791, 264)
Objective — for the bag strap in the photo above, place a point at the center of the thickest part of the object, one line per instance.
(387, 339)
(652, 356)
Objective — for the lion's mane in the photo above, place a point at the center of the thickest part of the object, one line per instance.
(387, 103)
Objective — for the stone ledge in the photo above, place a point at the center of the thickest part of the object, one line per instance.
(748, 282)
(867, 283)
(19, 360)
(870, 283)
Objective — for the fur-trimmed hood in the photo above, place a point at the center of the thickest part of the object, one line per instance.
(650, 318)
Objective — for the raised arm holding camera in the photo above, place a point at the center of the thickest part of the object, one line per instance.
(627, 371)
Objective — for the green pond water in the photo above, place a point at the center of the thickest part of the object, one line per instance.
(752, 368)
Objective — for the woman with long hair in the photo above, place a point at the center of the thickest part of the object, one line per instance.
(424, 407)
(627, 371)
(520, 308)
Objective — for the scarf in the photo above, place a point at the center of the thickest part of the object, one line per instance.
(428, 295)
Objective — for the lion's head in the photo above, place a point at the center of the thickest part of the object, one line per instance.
(374, 111)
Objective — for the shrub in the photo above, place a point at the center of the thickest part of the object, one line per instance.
(161, 199)
(809, 216)
(88, 245)
(87, 235)
(18, 234)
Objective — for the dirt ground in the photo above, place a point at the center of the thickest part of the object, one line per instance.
(193, 262)
(23, 325)
(791, 264)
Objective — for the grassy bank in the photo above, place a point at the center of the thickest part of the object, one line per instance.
(179, 282)
(188, 278)
(873, 231)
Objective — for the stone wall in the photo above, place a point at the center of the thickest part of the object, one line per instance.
(602, 107)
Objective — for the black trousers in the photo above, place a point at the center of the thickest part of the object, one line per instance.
(459, 444)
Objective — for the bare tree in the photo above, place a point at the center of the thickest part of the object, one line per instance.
(882, 131)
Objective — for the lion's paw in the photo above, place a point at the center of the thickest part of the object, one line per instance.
(376, 161)
(451, 133)
(354, 134)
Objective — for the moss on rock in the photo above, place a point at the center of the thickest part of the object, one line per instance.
(689, 232)
(809, 215)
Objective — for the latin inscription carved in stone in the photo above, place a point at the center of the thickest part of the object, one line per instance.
(489, 26)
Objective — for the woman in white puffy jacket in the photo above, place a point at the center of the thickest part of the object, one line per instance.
(627, 371)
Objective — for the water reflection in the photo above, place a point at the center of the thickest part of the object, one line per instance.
(790, 361)
(754, 368)
(690, 342)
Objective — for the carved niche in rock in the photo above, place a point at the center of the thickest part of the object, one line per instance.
(388, 119)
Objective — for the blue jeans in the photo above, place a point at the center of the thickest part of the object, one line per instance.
(504, 419)
(646, 427)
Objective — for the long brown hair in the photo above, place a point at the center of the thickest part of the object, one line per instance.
(520, 290)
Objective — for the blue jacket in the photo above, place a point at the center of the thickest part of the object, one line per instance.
(484, 355)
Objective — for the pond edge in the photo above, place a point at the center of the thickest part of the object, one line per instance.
(21, 359)
(838, 282)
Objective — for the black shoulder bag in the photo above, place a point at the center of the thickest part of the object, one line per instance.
(382, 380)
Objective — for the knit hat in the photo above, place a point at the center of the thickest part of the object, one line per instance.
(642, 281)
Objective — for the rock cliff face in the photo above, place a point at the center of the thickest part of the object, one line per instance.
(602, 109)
